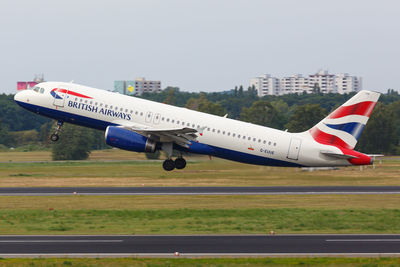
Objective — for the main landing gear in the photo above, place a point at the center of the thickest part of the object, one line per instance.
(170, 164)
(54, 137)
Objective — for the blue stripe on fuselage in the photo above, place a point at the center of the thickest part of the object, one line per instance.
(197, 148)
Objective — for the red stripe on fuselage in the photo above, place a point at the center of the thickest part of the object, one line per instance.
(362, 108)
(71, 93)
(327, 139)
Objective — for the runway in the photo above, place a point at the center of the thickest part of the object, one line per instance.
(200, 245)
(254, 190)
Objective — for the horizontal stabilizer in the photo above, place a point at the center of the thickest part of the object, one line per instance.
(336, 155)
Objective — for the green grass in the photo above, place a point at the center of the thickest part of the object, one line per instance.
(347, 262)
(200, 172)
(199, 221)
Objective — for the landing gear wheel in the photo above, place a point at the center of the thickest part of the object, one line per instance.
(180, 163)
(54, 137)
(168, 165)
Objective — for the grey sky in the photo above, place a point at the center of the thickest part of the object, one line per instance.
(197, 45)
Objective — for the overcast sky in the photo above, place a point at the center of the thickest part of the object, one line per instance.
(197, 45)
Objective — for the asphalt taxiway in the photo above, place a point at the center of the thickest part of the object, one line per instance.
(254, 190)
(200, 245)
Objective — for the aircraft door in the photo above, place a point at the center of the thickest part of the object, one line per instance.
(294, 149)
(59, 95)
(149, 116)
(156, 119)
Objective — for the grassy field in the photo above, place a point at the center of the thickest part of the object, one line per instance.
(199, 214)
(253, 214)
(106, 169)
(346, 262)
(205, 221)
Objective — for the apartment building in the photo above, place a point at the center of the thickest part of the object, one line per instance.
(296, 84)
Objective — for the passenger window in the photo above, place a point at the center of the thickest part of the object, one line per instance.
(141, 113)
(86, 101)
(208, 129)
(254, 139)
(274, 144)
(106, 106)
(172, 121)
(264, 141)
(213, 131)
(269, 143)
(259, 140)
(249, 138)
(167, 119)
(244, 137)
(223, 132)
(91, 102)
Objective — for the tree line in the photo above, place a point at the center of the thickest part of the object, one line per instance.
(293, 112)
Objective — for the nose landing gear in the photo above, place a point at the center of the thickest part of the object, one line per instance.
(54, 137)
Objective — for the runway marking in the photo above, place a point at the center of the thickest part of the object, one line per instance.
(362, 240)
(61, 241)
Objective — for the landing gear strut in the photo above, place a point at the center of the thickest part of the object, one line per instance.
(54, 137)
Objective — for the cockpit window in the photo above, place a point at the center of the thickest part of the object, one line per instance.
(36, 89)
(41, 90)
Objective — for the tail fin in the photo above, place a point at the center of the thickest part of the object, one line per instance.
(343, 126)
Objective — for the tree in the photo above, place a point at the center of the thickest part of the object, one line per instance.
(316, 89)
(170, 99)
(305, 117)
(262, 113)
(202, 104)
(74, 143)
(379, 135)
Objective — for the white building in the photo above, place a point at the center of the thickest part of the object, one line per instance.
(265, 85)
(325, 81)
(296, 84)
(137, 87)
(346, 83)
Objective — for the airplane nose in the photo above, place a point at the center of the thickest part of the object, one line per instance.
(21, 96)
(17, 96)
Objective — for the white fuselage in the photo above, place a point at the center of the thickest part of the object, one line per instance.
(235, 140)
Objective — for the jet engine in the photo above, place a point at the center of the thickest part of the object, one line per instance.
(128, 140)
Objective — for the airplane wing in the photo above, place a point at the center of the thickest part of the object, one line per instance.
(181, 136)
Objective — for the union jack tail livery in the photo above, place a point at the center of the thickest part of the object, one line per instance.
(343, 127)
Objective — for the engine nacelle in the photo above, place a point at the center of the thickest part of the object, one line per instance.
(128, 140)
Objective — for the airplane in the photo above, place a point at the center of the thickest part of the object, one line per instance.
(140, 125)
